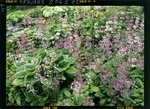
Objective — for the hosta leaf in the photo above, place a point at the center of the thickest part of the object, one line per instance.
(31, 79)
(30, 67)
(139, 83)
(71, 70)
(25, 59)
(20, 74)
(20, 68)
(71, 60)
(58, 56)
(18, 64)
(102, 101)
(18, 82)
(65, 57)
(63, 65)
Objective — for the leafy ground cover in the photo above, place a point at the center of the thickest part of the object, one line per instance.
(75, 56)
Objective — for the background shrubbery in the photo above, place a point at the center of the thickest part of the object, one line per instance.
(75, 56)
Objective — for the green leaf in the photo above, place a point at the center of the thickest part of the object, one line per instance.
(58, 57)
(134, 95)
(60, 97)
(25, 59)
(139, 83)
(20, 68)
(45, 98)
(98, 94)
(18, 82)
(63, 65)
(86, 87)
(111, 104)
(142, 104)
(65, 57)
(102, 101)
(71, 60)
(67, 93)
(71, 70)
(20, 74)
(86, 93)
(18, 64)
(63, 77)
(30, 67)
(121, 99)
(18, 100)
(95, 89)
(31, 79)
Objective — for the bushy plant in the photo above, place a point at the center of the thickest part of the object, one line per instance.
(15, 17)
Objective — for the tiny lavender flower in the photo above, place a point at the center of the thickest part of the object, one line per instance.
(87, 101)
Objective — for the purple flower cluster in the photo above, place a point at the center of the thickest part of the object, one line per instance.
(123, 83)
(87, 101)
(78, 83)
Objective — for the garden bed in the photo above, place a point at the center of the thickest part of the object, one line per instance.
(75, 56)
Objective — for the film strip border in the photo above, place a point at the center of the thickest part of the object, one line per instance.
(73, 2)
(73, 107)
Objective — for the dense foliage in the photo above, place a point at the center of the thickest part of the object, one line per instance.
(75, 56)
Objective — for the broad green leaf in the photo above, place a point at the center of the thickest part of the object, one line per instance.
(60, 97)
(102, 101)
(111, 104)
(71, 70)
(18, 64)
(63, 65)
(95, 89)
(121, 99)
(18, 100)
(30, 67)
(18, 82)
(31, 79)
(25, 59)
(86, 87)
(20, 74)
(71, 60)
(58, 56)
(65, 57)
(67, 93)
(142, 104)
(98, 94)
(20, 68)
(134, 95)
(63, 77)
(86, 93)
(45, 98)
(139, 83)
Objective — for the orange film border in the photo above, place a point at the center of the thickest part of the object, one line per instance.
(54, 107)
(124, 107)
